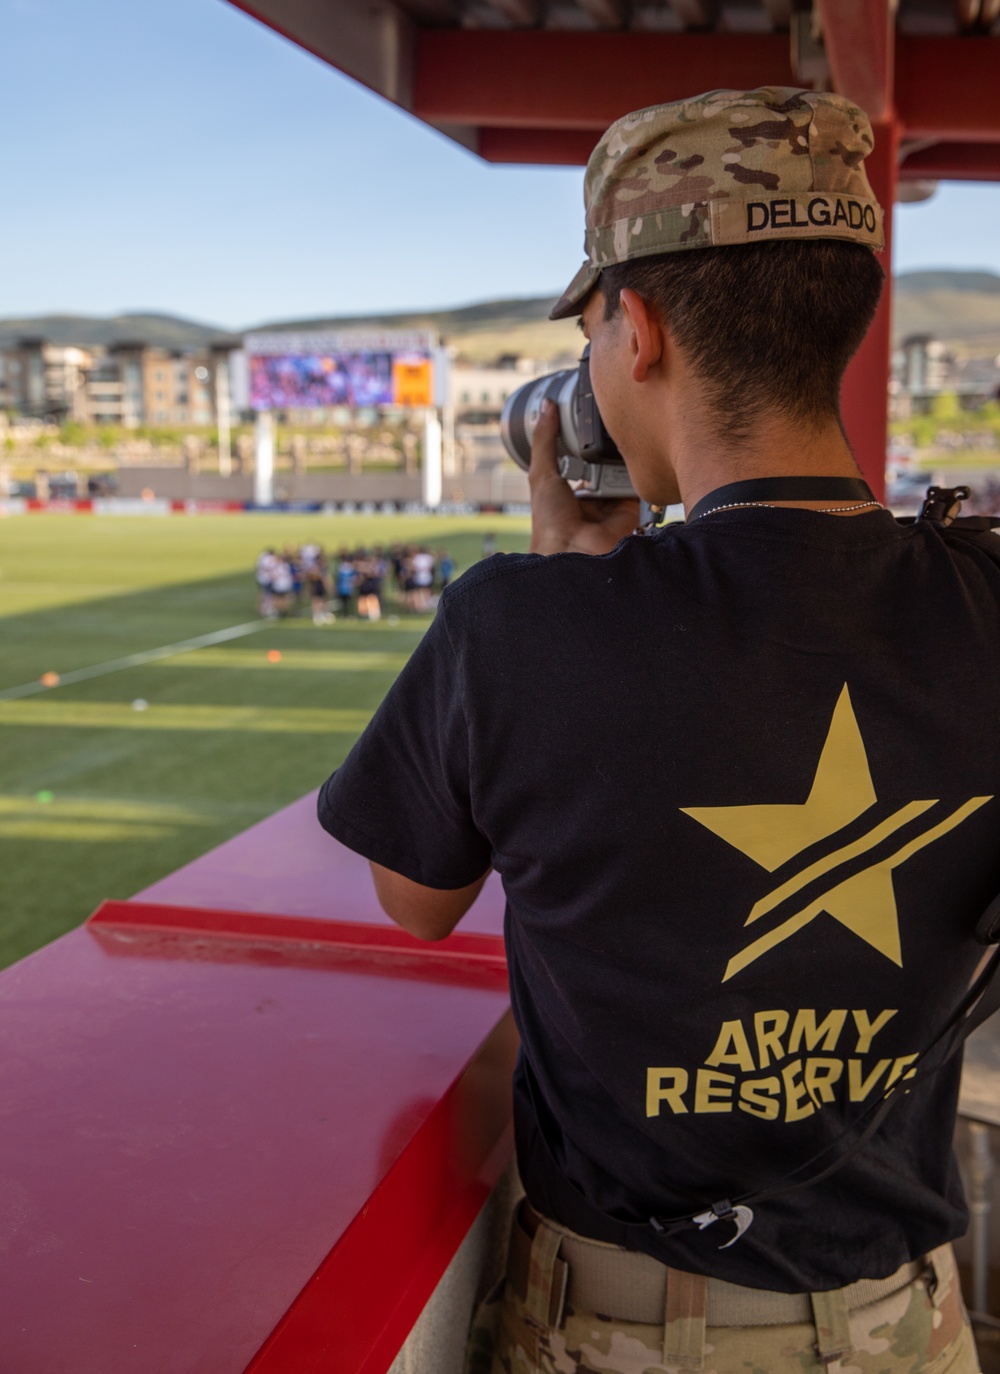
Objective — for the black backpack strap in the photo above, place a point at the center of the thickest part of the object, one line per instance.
(978, 1005)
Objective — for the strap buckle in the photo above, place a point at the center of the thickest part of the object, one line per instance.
(724, 1210)
(942, 504)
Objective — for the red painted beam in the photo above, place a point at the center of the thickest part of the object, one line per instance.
(858, 37)
(953, 162)
(572, 147)
(552, 147)
(864, 394)
(580, 81)
(946, 88)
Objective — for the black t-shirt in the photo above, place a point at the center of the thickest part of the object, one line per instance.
(738, 780)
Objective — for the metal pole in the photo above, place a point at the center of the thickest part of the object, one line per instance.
(263, 459)
(431, 473)
(222, 415)
(981, 1168)
(448, 464)
(864, 396)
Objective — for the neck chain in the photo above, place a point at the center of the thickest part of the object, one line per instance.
(770, 505)
(852, 492)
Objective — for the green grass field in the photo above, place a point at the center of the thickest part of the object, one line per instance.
(98, 799)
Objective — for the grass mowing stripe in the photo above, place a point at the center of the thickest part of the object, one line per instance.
(116, 665)
(126, 809)
(312, 660)
(115, 715)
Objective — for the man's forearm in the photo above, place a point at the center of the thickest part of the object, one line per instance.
(429, 913)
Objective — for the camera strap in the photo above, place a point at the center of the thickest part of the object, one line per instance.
(980, 1002)
(764, 490)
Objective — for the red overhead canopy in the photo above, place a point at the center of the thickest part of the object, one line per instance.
(522, 81)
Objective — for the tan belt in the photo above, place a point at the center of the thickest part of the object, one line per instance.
(629, 1286)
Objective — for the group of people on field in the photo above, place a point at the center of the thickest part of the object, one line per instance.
(353, 582)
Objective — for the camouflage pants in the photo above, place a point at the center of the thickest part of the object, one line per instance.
(920, 1329)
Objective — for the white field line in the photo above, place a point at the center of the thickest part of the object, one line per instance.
(117, 665)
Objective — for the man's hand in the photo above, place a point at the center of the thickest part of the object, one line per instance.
(560, 521)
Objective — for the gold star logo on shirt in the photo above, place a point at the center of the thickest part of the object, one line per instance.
(774, 833)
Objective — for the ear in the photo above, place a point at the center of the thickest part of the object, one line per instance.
(644, 332)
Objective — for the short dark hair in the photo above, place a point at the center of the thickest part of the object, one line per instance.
(767, 325)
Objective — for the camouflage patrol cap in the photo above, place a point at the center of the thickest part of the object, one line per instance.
(724, 168)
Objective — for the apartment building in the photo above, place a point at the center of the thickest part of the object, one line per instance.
(479, 392)
(923, 368)
(43, 379)
(128, 384)
(180, 388)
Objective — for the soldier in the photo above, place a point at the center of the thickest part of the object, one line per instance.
(743, 845)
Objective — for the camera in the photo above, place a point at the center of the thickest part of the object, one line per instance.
(586, 451)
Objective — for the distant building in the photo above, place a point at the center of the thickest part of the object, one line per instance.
(128, 384)
(926, 365)
(923, 368)
(479, 393)
(45, 380)
(179, 388)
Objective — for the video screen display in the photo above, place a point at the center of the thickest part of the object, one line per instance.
(301, 381)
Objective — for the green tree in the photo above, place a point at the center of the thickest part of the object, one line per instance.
(945, 407)
(73, 434)
(924, 429)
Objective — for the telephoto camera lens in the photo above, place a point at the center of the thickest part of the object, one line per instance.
(523, 409)
(586, 452)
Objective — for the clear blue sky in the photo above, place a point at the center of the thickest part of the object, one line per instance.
(175, 155)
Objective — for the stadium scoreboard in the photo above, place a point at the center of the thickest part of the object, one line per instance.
(371, 368)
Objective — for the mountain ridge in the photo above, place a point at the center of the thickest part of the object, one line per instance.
(961, 307)
(156, 328)
(947, 279)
